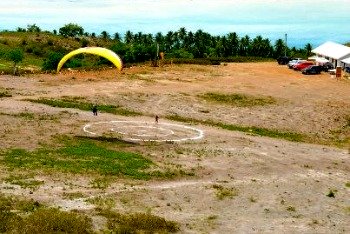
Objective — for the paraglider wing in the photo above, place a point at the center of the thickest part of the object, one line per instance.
(103, 52)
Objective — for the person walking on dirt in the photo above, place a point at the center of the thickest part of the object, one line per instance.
(157, 118)
(94, 110)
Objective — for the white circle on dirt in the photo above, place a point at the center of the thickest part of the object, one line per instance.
(145, 131)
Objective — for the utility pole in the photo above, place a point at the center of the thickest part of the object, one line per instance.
(286, 45)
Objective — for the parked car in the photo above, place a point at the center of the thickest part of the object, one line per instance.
(313, 69)
(302, 65)
(283, 60)
(294, 61)
(327, 66)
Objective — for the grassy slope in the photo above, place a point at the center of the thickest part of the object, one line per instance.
(36, 47)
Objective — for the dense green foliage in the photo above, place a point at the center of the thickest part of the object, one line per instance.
(52, 60)
(16, 56)
(44, 49)
(71, 30)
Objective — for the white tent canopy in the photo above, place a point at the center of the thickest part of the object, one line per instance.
(318, 59)
(346, 61)
(332, 50)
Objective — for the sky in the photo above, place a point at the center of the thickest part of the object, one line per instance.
(302, 20)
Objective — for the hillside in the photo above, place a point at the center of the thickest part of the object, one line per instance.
(184, 46)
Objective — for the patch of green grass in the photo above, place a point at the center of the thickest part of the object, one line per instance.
(25, 115)
(290, 136)
(33, 116)
(10, 220)
(52, 220)
(138, 223)
(103, 203)
(235, 99)
(80, 156)
(4, 94)
(10, 203)
(347, 184)
(23, 181)
(347, 121)
(100, 183)
(77, 103)
(44, 220)
(223, 192)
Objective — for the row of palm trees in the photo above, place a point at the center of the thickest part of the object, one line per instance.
(134, 47)
(201, 44)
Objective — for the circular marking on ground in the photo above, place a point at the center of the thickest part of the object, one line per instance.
(145, 131)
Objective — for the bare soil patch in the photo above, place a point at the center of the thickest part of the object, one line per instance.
(239, 183)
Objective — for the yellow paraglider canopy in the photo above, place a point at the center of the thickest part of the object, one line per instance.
(103, 52)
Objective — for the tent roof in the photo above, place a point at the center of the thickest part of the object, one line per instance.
(318, 59)
(347, 60)
(332, 50)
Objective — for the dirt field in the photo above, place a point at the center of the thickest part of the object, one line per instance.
(241, 184)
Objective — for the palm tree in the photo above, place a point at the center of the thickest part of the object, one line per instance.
(128, 37)
(116, 36)
(244, 46)
(105, 35)
(280, 48)
(233, 40)
(182, 34)
(308, 49)
(169, 41)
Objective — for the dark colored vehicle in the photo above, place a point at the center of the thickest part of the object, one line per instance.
(347, 69)
(283, 60)
(302, 65)
(327, 66)
(313, 69)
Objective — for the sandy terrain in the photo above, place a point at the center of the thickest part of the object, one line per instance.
(275, 185)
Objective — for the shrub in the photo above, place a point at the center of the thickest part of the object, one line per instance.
(38, 51)
(138, 223)
(74, 62)
(55, 221)
(71, 30)
(15, 55)
(52, 61)
(50, 42)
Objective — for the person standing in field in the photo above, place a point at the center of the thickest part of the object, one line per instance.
(94, 110)
(157, 118)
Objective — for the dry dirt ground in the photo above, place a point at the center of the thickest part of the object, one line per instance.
(272, 185)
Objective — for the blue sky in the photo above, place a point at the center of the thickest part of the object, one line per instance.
(302, 19)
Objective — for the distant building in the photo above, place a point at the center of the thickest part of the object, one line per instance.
(334, 52)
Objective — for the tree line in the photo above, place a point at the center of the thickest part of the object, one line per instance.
(138, 47)
(181, 44)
